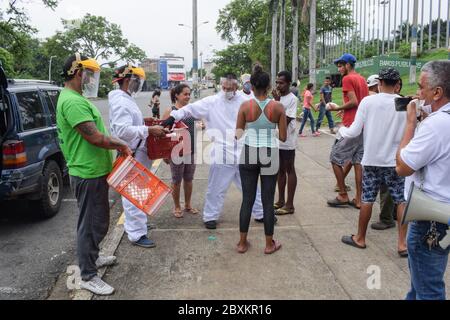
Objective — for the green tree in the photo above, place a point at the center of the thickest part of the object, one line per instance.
(7, 61)
(234, 59)
(98, 38)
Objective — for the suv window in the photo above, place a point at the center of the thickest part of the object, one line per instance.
(51, 97)
(31, 110)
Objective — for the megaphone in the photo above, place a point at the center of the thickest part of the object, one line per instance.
(421, 207)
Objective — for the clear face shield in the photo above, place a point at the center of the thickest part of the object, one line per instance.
(90, 81)
(135, 85)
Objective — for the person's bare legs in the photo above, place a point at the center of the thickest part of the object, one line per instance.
(340, 178)
(402, 229)
(282, 180)
(243, 243)
(364, 219)
(347, 168)
(358, 181)
(176, 190)
(292, 185)
(188, 186)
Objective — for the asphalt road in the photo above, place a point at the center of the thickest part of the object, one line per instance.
(34, 252)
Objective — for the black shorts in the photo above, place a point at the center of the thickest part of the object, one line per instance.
(287, 155)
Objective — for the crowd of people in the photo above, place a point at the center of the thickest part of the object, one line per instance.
(254, 138)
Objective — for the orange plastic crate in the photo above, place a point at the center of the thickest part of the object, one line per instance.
(138, 184)
(161, 148)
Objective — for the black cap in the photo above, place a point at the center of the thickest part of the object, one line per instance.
(389, 74)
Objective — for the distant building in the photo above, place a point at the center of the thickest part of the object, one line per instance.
(172, 70)
(209, 66)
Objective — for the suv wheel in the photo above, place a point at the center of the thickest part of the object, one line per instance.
(52, 190)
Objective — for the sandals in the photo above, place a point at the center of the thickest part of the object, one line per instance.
(178, 214)
(191, 211)
(283, 212)
(348, 240)
(276, 246)
(336, 203)
(403, 254)
(277, 206)
(242, 251)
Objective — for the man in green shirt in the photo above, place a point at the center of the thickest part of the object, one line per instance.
(87, 150)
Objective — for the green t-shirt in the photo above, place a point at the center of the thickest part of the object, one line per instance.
(84, 160)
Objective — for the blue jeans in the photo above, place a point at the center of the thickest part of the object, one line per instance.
(322, 113)
(307, 113)
(427, 267)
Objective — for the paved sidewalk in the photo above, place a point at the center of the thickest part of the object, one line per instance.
(191, 262)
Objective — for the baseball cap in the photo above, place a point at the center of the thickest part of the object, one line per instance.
(389, 74)
(347, 58)
(373, 81)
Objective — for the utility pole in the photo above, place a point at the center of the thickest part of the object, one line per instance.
(448, 29)
(384, 28)
(395, 25)
(422, 26)
(195, 42)
(389, 27)
(401, 20)
(407, 22)
(312, 43)
(438, 37)
(50, 69)
(413, 68)
(430, 29)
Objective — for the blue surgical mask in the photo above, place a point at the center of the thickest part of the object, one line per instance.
(247, 87)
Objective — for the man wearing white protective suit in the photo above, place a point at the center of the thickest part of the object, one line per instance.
(220, 112)
(127, 123)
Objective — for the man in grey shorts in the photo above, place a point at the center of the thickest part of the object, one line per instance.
(354, 88)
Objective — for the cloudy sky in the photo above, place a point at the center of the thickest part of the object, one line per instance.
(150, 24)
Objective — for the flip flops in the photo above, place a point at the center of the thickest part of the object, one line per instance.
(336, 203)
(403, 254)
(348, 240)
(276, 246)
(191, 211)
(277, 206)
(178, 214)
(242, 251)
(284, 212)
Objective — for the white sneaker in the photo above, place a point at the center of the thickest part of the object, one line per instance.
(97, 286)
(105, 261)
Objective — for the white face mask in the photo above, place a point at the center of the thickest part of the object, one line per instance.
(230, 95)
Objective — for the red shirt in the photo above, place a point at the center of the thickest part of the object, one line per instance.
(353, 82)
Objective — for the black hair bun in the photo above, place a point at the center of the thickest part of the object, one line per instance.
(257, 68)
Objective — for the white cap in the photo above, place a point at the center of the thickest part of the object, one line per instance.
(373, 81)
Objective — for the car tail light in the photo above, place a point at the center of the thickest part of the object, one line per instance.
(14, 155)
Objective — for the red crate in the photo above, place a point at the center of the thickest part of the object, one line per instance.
(161, 148)
(138, 184)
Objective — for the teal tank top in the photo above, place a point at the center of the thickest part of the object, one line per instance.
(262, 132)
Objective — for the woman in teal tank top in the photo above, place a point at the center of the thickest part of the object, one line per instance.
(258, 119)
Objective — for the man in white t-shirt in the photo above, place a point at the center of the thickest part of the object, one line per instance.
(383, 129)
(246, 91)
(287, 172)
(424, 154)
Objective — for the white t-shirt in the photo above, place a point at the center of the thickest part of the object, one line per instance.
(383, 129)
(290, 103)
(430, 150)
(247, 96)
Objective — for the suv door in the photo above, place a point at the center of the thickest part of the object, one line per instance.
(36, 130)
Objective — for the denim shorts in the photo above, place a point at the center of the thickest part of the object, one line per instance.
(348, 150)
(374, 177)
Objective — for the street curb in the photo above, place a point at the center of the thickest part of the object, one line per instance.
(109, 247)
